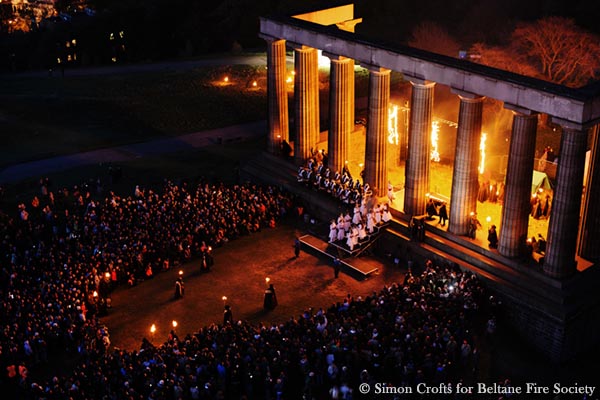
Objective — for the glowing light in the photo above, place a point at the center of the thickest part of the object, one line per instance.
(323, 61)
(435, 129)
(95, 294)
(174, 323)
(489, 219)
(224, 298)
(226, 80)
(482, 152)
(289, 79)
(107, 275)
(180, 272)
(267, 279)
(153, 329)
(393, 124)
(114, 59)
(254, 84)
(293, 72)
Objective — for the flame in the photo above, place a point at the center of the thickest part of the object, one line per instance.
(393, 124)
(482, 152)
(435, 129)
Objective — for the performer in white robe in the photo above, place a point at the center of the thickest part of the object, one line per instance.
(332, 231)
(377, 211)
(340, 230)
(363, 208)
(354, 235)
(356, 218)
(387, 215)
(347, 222)
(362, 232)
(370, 222)
(350, 241)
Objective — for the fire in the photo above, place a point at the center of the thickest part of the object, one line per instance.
(435, 130)
(482, 152)
(393, 124)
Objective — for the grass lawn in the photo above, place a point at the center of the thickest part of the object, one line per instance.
(47, 116)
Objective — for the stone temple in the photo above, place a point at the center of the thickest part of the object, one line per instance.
(555, 306)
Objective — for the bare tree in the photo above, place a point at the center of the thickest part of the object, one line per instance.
(504, 58)
(561, 51)
(432, 37)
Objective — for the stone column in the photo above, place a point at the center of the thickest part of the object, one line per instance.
(566, 205)
(305, 106)
(517, 189)
(419, 148)
(277, 95)
(375, 151)
(590, 227)
(341, 111)
(465, 185)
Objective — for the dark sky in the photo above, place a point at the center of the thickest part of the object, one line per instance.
(469, 21)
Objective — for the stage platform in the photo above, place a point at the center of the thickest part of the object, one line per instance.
(358, 267)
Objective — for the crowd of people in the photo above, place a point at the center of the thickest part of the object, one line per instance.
(63, 252)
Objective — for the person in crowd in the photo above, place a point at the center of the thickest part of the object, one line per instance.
(179, 288)
(227, 315)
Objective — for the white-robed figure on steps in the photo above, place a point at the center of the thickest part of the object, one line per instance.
(332, 231)
(347, 222)
(363, 208)
(355, 234)
(341, 234)
(377, 212)
(356, 218)
(362, 232)
(370, 222)
(386, 215)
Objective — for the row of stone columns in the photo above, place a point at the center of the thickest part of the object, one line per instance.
(564, 220)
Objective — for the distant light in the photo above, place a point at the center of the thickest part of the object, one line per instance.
(289, 79)
(180, 272)
(114, 59)
(226, 79)
(153, 329)
(267, 279)
(174, 324)
(489, 219)
(254, 84)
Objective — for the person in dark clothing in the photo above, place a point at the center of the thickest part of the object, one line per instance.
(179, 288)
(493, 237)
(270, 301)
(443, 212)
(297, 247)
(337, 266)
(227, 316)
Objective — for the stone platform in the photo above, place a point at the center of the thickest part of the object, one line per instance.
(560, 318)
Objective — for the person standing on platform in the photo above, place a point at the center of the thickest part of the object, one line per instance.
(443, 212)
(227, 316)
(297, 247)
(270, 300)
(493, 237)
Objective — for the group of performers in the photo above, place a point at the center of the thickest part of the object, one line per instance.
(340, 185)
(354, 230)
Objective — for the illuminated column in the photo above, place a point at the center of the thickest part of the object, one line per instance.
(377, 128)
(306, 102)
(277, 93)
(564, 216)
(341, 110)
(419, 144)
(517, 192)
(465, 184)
(590, 227)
